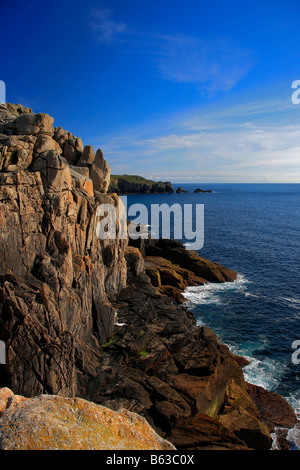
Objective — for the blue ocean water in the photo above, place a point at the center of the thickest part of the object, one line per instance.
(255, 230)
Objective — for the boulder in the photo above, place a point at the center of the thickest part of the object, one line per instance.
(55, 423)
(70, 153)
(16, 152)
(32, 124)
(60, 136)
(87, 157)
(100, 173)
(45, 143)
(55, 172)
(273, 409)
(204, 433)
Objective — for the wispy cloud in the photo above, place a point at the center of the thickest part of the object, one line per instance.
(210, 64)
(105, 29)
(227, 145)
(215, 64)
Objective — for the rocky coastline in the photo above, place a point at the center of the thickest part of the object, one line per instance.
(103, 320)
(133, 184)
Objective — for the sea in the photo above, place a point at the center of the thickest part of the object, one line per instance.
(253, 229)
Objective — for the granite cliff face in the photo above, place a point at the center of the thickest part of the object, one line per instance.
(96, 318)
(57, 277)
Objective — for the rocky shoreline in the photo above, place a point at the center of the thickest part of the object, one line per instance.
(133, 184)
(103, 320)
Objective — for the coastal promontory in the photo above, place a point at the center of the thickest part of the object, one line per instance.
(95, 324)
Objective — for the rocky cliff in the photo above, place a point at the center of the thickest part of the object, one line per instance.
(96, 318)
(57, 277)
(130, 184)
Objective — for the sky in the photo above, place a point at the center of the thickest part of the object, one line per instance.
(192, 91)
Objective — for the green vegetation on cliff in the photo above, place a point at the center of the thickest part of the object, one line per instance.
(138, 184)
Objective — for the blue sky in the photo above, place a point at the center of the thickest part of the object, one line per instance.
(181, 91)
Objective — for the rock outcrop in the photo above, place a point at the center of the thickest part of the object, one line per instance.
(198, 190)
(159, 364)
(50, 422)
(179, 190)
(132, 184)
(96, 319)
(56, 276)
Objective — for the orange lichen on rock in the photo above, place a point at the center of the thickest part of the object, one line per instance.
(50, 422)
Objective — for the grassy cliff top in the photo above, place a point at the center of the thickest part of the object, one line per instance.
(137, 184)
(131, 179)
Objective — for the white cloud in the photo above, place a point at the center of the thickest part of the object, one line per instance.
(216, 64)
(104, 28)
(211, 65)
(225, 145)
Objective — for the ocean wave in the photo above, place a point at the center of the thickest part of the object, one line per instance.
(211, 293)
(265, 373)
(250, 294)
(293, 302)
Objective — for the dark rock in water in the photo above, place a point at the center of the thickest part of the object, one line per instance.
(179, 190)
(202, 190)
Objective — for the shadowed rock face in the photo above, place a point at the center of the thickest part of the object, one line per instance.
(162, 366)
(79, 315)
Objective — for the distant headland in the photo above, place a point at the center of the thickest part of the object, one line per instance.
(134, 184)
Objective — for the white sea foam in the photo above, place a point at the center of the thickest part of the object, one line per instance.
(250, 294)
(293, 436)
(211, 293)
(266, 373)
(293, 302)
